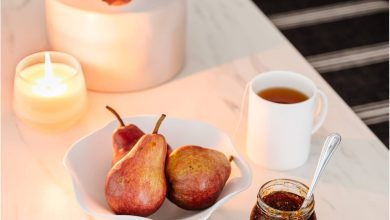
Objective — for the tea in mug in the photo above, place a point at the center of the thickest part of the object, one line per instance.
(282, 95)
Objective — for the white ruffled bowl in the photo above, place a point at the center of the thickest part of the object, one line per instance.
(89, 160)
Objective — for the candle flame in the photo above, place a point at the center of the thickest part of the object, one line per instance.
(49, 84)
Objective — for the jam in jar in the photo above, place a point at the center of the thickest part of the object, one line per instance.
(281, 199)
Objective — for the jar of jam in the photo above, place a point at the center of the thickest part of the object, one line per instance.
(281, 199)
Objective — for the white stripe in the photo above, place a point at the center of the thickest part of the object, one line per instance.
(376, 120)
(349, 58)
(371, 106)
(327, 13)
(374, 113)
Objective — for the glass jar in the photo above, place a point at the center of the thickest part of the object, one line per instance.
(280, 199)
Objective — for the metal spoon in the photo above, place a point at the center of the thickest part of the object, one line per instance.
(330, 145)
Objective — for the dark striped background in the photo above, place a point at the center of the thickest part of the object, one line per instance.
(347, 42)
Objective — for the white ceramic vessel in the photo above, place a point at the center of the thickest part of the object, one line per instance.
(121, 48)
(279, 135)
(89, 160)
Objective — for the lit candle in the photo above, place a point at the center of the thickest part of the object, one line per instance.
(49, 90)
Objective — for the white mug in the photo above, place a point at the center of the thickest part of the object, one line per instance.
(279, 135)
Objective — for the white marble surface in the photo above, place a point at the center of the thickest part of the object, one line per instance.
(229, 42)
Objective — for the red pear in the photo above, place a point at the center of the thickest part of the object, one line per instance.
(196, 176)
(136, 184)
(124, 137)
(117, 2)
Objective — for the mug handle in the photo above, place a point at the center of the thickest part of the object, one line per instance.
(322, 109)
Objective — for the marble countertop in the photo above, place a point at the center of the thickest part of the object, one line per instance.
(228, 43)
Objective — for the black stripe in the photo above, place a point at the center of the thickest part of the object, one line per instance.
(361, 85)
(278, 6)
(382, 131)
(354, 32)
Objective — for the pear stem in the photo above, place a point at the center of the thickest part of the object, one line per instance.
(155, 130)
(116, 115)
(230, 158)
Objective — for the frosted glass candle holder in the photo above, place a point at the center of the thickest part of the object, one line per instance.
(49, 90)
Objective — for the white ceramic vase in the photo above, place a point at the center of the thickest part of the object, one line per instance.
(121, 48)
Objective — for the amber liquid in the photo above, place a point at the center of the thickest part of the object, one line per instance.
(282, 95)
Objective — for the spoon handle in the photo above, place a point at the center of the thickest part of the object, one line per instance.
(330, 145)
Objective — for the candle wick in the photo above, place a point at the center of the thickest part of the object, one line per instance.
(48, 68)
